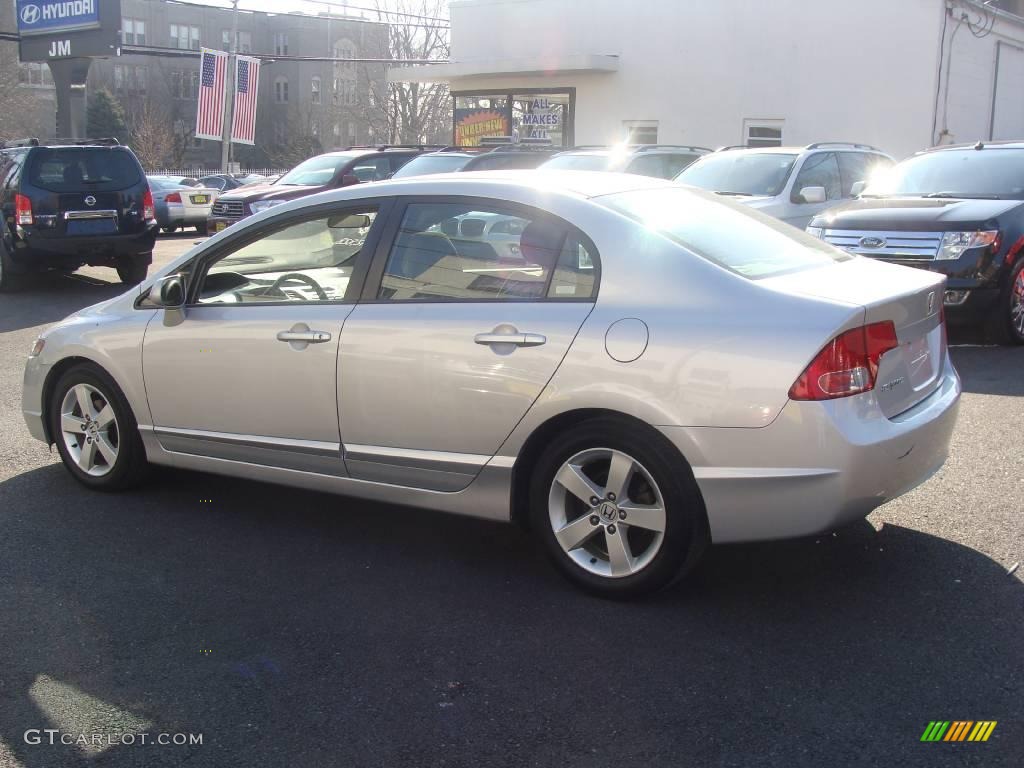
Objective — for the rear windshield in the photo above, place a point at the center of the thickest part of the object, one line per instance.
(425, 165)
(740, 173)
(506, 161)
(729, 234)
(579, 163)
(72, 169)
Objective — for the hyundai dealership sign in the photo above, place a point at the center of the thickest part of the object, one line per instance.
(42, 17)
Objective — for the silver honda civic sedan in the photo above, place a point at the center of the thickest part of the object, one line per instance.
(628, 368)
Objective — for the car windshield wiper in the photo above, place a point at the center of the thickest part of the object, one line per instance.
(736, 194)
(962, 195)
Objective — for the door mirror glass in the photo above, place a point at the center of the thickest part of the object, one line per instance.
(857, 188)
(169, 292)
(812, 194)
(349, 221)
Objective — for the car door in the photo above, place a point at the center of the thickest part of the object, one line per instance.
(248, 370)
(820, 169)
(456, 335)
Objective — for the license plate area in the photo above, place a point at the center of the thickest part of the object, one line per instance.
(220, 226)
(200, 199)
(104, 226)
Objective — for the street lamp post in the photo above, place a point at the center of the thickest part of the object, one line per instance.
(229, 92)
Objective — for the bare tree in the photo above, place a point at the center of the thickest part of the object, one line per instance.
(152, 137)
(409, 113)
(17, 103)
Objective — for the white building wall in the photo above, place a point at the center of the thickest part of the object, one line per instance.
(833, 70)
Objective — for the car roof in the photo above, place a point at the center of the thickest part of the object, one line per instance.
(978, 145)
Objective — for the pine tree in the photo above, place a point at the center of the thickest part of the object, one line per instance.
(105, 117)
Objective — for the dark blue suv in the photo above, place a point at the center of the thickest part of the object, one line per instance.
(68, 205)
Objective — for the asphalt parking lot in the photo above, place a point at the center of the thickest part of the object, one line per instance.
(291, 628)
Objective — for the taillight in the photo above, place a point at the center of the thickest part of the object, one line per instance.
(148, 211)
(23, 210)
(848, 365)
(174, 197)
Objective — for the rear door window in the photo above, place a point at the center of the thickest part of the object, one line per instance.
(73, 169)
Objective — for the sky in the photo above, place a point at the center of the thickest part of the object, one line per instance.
(285, 6)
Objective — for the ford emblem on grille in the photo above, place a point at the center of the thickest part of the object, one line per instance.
(90, 200)
(872, 242)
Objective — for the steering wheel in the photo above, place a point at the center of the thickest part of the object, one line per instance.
(320, 293)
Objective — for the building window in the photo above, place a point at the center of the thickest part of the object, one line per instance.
(281, 133)
(640, 131)
(280, 43)
(315, 90)
(244, 41)
(314, 128)
(336, 131)
(281, 90)
(133, 32)
(184, 37)
(344, 92)
(130, 80)
(762, 133)
(36, 75)
(345, 49)
(185, 85)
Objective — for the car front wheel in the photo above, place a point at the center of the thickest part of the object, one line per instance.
(1008, 318)
(96, 434)
(133, 271)
(617, 509)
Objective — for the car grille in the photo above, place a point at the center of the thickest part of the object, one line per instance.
(229, 209)
(895, 246)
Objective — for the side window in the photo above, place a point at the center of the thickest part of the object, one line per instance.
(648, 165)
(819, 170)
(477, 253)
(859, 166)
(372, 168)
(675, 163)
(307, 261)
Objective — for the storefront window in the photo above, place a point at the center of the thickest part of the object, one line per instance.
(544, 118)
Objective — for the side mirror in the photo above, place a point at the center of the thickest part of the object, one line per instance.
(348, 179)
(857, 188)
(169, 292)
(813, 194)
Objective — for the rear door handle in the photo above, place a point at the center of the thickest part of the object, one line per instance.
(519, 339)
(309, 337)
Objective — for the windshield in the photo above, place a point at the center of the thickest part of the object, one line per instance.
(578, 163)
(729, 234)
(73, 169)
(955, 173)
(315, 172)
(740, 173)
(425, 165)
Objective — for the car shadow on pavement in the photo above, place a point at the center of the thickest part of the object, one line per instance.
(989, 370)
(296, 628)
(51, 296)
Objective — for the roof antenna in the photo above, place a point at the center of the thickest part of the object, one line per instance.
(979, 145)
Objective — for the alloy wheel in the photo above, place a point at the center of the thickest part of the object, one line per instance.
(607, 513)
(89, 429)
(1017, 304)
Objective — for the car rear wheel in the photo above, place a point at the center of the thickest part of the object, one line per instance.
(169, 230)
(96, 434)
(617, 509)
(1007, 324)
(202, 229)
(133, 270)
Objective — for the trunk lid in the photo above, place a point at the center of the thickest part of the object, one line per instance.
(910, 298)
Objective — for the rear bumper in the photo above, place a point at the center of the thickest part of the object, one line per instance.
(224, 222)
(818, 465)
(179, 214)
(34, 251)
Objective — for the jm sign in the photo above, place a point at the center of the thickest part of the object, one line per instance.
(64, 29)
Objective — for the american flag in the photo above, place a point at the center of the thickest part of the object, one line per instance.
(247, 82)
(210, 116)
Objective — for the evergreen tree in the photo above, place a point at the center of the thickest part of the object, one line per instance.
(105, 117)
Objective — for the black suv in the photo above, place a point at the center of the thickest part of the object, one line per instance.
(341, 168)
(958, 210)
(67, 205)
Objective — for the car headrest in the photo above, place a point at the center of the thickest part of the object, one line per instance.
(472, 227)
(541, 243)
(450, 227)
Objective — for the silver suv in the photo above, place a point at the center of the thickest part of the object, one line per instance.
(790, 183)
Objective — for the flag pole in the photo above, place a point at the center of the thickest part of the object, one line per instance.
(229, 91)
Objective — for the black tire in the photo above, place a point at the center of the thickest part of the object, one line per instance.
(685, 531)
(9, 279)
(169, 230)
(130, 467)
(1002, 328)
(202, 229)
(133, 271)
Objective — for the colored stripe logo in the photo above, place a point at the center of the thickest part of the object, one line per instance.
(958, 730)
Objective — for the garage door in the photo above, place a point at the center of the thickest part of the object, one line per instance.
(1008, 109)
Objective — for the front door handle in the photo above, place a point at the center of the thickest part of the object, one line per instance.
(519, 339)
(309, 337)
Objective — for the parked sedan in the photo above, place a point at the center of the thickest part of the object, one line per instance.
(656, 369)
(179, 205)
